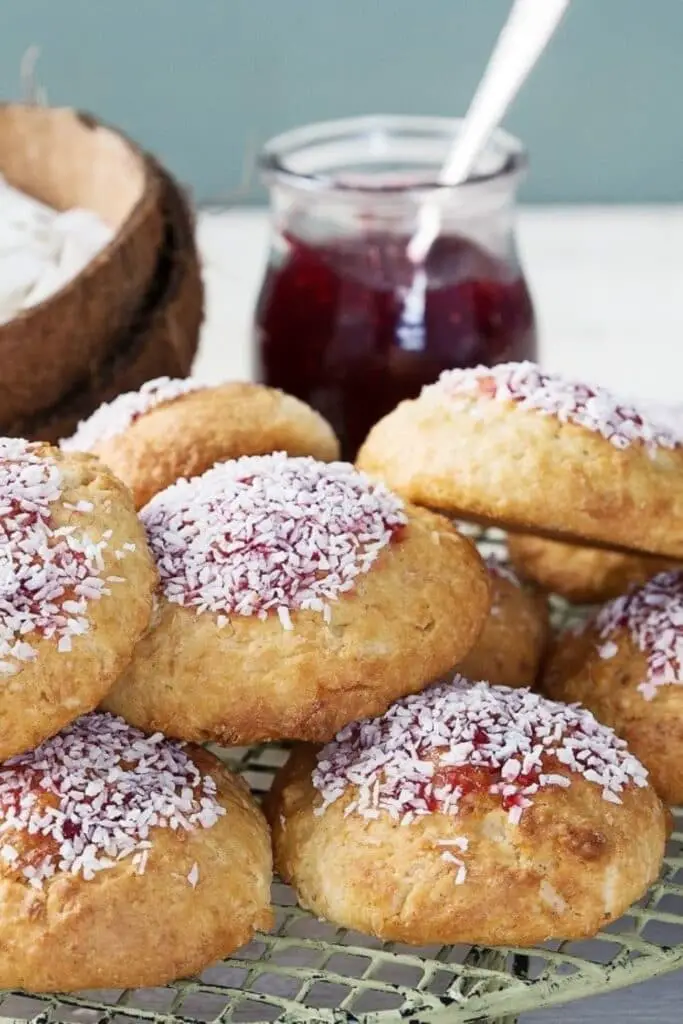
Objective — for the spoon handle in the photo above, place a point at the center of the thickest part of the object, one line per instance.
(525, 34)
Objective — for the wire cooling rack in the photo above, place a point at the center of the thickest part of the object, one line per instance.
(307, 970)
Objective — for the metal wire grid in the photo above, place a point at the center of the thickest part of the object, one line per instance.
(308, 970)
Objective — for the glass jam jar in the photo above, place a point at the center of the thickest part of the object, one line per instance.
(345, 320)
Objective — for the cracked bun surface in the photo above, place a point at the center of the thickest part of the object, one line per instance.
(295, 597)
(179, 428)
(626, 665)
(469, 813)
(76, 588)
(531, 451)
(125, 861)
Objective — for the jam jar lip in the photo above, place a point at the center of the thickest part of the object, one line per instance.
(280, 156)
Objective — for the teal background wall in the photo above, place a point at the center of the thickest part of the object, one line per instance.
(202, 82)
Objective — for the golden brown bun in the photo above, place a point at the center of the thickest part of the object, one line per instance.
(583, 575)
(574, 863)
(186, 436)
(57, 686)
(653, 729)
(125, 930)
(478, 458)
(408, 620)
(513, 640)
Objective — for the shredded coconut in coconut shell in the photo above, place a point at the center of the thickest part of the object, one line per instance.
(91, 796)
(47, 574)
(653, 617)
(42, 249)
(113, 418)
(593, 408)
(269, 533)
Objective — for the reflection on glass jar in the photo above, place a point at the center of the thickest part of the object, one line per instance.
(344, 319)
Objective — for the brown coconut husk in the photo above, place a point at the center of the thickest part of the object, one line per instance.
(161, 341)
(66, 159)
(187, 310)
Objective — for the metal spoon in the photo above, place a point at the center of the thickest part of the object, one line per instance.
(529, 27)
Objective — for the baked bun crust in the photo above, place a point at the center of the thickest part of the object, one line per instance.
(413, 609)
(511, 645)
(582, 575)
(570, 864)
(77, 588)
(180, 428)
(623, 666)
(532, 452)
(165, 912)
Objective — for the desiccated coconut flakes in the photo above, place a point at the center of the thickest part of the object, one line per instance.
(429, 750)
(527, 386)
(113, 418)
(94, 793)
(48, 574)
(269, 533)
(652, 614)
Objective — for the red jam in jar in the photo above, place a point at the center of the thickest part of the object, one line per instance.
(345, 321)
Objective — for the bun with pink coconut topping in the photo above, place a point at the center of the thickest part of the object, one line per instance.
(533, 451)
(295, 596)
(626, 665)
(125, 861)
(469, 813)
(76, 588)
(179, 428)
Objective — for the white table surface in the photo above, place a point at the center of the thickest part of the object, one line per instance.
(608, 288)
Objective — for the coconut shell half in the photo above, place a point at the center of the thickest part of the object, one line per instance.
(67, 159)
(161, 341)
